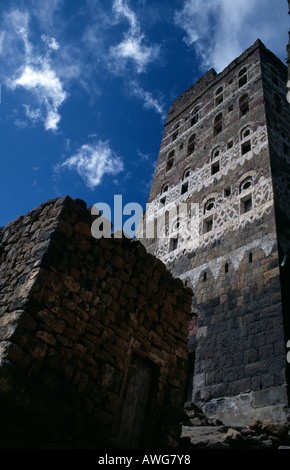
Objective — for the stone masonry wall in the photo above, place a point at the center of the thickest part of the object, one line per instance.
(93, 336)
(232, 264)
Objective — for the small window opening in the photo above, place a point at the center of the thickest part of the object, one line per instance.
(230, 144)
(209, 205)
(216, 153)
(250, 257)
(219, 96)
(226, 268)
(246, 147)
(227, 192)
(163, 201)
(243, 78)
(173, 244)
(244, 109)
(184, 188)
(218, 124)
(246, 205)
(204, 277)
(165, 188)
(194, 119)
(208, 225)
(169, 164)
(186, 173)
(191, 144)
(215, 168)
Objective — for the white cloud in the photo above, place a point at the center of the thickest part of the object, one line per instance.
(147, 98)
(221, 29)
(48, 89)
(50, 41)
(132, 47)
(93, 161)
(31, 70)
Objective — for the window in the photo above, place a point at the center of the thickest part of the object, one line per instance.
(191, 144)
(170, 160)
(244, 105)
(245, 132)
(163, 201)
(184, 188)
(250, 257)
(176, 225)
(186, 173)
(230, 144)
(169, 164)
(204, 277)
(173, 244)
(218, 124)
(246, 184)
(164, 188)
(176, 131)
(219, 96)
(226, 268)
(243, 77)
(194, 119)
(227, 192)
(209, 205)
(208, 224)
(246, 204)
(246, 147)
(216, 153)
(215, 168)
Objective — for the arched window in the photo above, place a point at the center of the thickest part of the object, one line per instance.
(245, 132)
(243, 77)
(246, 145)
(216, 153)
(191, 144)
(219, 96)
(175, 132)
(164, 188)
(209, 205)
(246, 184)
(244, 105)
(186, 174)
(170, 160)
(218, 124)
(194, 118)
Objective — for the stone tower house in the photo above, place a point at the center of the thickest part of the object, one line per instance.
(218, 217)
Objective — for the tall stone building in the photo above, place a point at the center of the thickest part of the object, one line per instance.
(218, 217)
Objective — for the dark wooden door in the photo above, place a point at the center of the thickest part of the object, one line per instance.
(134, 422)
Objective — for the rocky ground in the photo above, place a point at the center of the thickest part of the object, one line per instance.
(200, 433)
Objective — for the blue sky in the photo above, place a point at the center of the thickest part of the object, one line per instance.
(86, 86)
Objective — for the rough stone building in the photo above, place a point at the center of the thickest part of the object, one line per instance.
(93, 348)
(218, 217)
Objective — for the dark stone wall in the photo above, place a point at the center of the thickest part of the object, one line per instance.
(93, 337)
